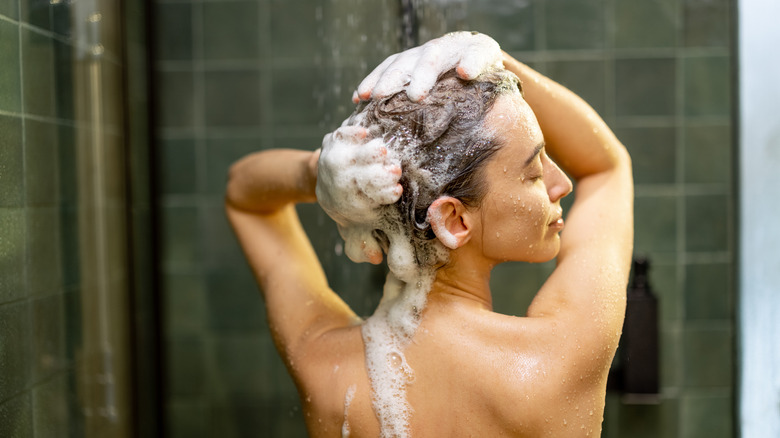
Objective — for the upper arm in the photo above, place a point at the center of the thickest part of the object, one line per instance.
(587, 289)
(299, 303)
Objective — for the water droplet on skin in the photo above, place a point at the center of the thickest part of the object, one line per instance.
(498, 234)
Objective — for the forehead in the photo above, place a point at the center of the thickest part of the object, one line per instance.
(513, 122)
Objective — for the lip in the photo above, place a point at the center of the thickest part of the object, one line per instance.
(557, 223)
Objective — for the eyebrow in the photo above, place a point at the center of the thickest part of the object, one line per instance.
(537, 149)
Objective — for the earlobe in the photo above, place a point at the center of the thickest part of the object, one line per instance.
(446, 216)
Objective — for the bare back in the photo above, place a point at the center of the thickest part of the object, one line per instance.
(476, 373)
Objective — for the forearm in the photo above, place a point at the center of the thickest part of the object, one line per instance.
(266, 181)
(575, 135)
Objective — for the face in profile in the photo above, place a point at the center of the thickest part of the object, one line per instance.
(521, 215)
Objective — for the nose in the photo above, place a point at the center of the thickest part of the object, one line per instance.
(558, 184)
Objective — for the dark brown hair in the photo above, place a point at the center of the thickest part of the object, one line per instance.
(442, 142)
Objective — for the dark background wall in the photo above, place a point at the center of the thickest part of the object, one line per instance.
(239, 76)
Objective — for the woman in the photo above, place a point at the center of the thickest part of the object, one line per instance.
(440, 362)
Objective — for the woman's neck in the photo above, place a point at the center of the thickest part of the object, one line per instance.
(462, 281)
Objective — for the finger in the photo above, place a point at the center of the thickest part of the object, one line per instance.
(367, 85)
(372, 251)
(373, 152)
(390, 83)
(397, 74)
(479, 57)
(355, 97)
(431, 65)
(351, 133)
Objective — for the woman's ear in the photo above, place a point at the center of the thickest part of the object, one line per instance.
(447, 216)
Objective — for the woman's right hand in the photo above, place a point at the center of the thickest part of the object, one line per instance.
(416, 70)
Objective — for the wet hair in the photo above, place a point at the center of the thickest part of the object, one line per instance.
(442, 142)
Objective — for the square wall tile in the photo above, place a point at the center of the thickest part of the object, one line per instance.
(234, 414)
(44, 254)
(36, 13)
(653, 153)
(706, 416)
(11, 162)
(663, 282)
(645, 87)
(708, 291)
(586, 78)
(655, 226)
(511, 23)
(233, 98)
(179, 240)
(574, 24)
(648, 421)
(15, 349)
(294, 29)
(40, 164)
(38, 90)
(186, 361)
(707, 86)
(48, 314)
(234, 301)
(514, 286)
(178, 166)
(221, 153)
(13, 254)
(173, 26)
(176, 99)
(50, 407)
(9, 8)
(706, 23)
(218, 239)
(306, 141)
(708, 152)
(10, 79)
(645, 23)
(16, 415)
(188, 418)
(708, 357)
(707, 223)
(670, 360)
(294, 96)
(243, 364)
(185, 304)
(231, 30)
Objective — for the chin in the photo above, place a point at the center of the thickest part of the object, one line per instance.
(546, 254)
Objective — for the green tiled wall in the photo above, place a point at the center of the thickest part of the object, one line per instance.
(236, 76)
(38, 277)
(41, 331)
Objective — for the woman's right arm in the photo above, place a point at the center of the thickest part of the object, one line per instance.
(262, 191)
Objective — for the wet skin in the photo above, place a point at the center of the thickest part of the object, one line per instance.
(477, 373)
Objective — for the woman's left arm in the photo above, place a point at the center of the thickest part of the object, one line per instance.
(262, 191)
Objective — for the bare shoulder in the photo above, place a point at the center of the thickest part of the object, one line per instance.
(331, 376)
(507, 375)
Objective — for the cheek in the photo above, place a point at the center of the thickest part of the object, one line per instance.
(522, 223)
